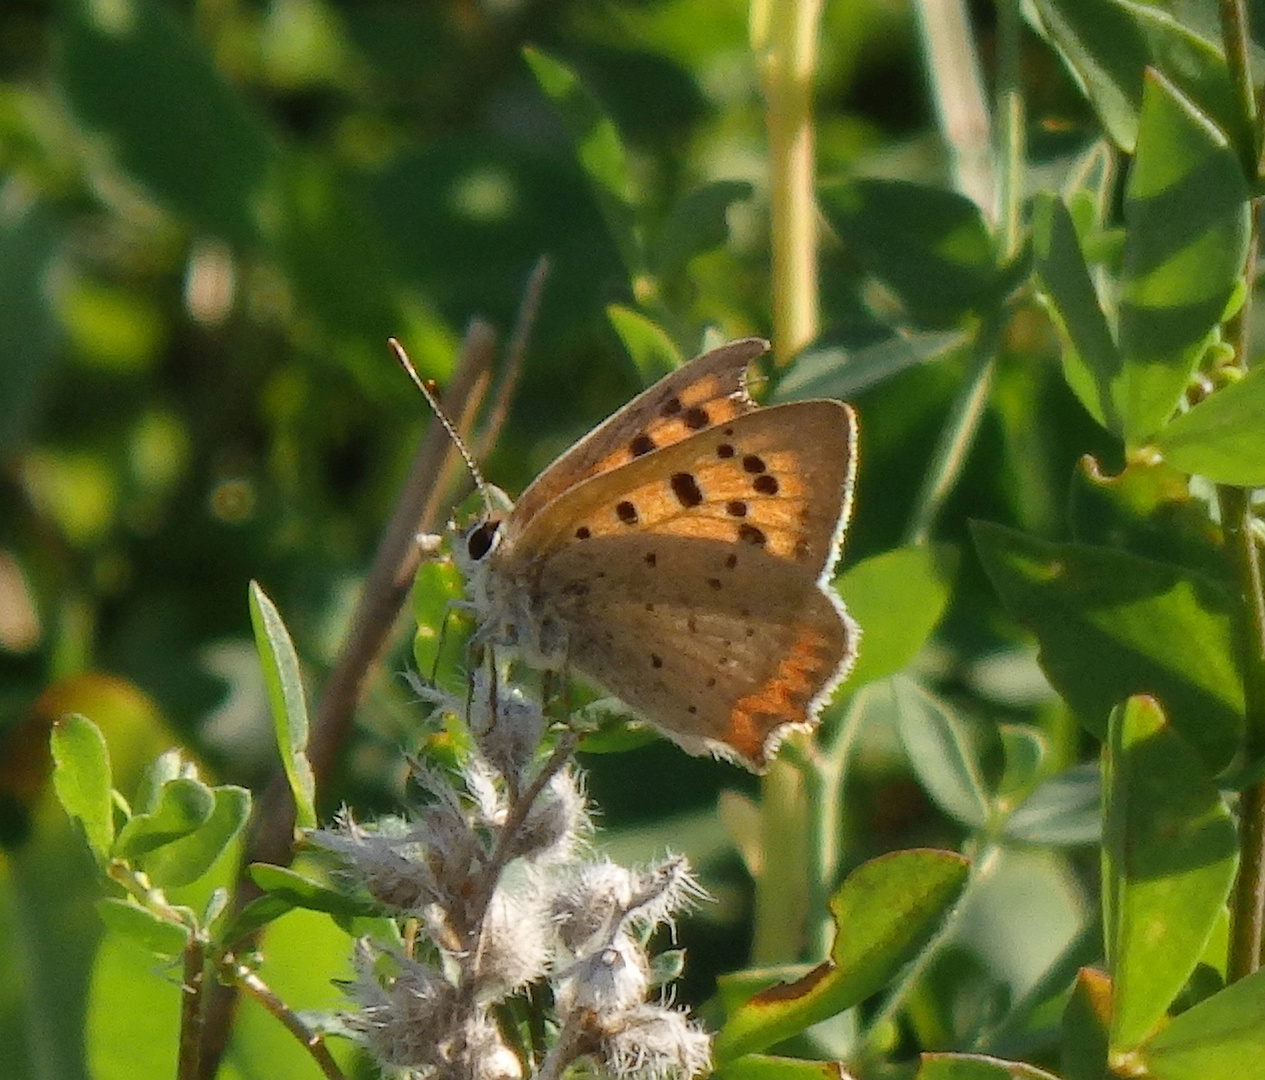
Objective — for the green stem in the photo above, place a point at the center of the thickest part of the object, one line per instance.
(1011, 121)
(1235, 40)
(1247, 912)
(958, 434)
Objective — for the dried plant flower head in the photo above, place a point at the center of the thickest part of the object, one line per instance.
(495, 868)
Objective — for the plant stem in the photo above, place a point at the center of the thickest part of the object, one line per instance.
(784, 42)
(1235, 40)
(1247, 913)
(784, 38)
(192, 999)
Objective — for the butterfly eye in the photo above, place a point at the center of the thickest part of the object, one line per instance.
(479, 539)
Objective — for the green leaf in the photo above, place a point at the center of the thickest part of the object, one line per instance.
(928, 245)
(1170, 853)
(1024, 751)
(254, 916)
(1147, 510)
(81, 778)
(286, 699)
(300, 891)
(150, 931)
(1222, 1036)
(897, 599)
(940, 751)
(1110, 43)
(167, 766)
(183, 861)
(183, 805)
(1062, 811)
(698, 223)
(1091, 361)
(1111, 625)
(652, 351)
(132, 1028)
(1221, 438)
(138, 76)
(846, 361)
(976, 1067)
(599, 150)
(1086, 1018)
(442, 628)
(764, 1067)
(884, 913)
(1187, 222)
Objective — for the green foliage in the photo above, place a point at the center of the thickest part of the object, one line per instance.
(214, 217)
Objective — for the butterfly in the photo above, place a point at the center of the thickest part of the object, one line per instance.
(679, 556)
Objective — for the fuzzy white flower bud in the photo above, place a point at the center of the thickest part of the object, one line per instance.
(607, 981)
(652, 1042)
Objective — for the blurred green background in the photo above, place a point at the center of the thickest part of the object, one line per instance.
(212, 216)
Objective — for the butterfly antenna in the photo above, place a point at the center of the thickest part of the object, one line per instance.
(449, 427)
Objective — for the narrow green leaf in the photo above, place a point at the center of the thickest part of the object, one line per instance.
(254, 916)
(897, 598)
(599, 150)
(848, 360)
(160, 936)
(81, 778)
(1222, 1036)
(652, 351)
(1086, 1018)
(1187, 222)
(186, 859)
(1222, 438)
(698, 223)
(183, 805)
(1111, 43)
(1110, 625)
(928, 245)
(941, 753)
(286, 699)
(138, 76)
(1062, 811)
(976, 1067)
(1091, 361)
(1169, 857)
(300, 891)
(764, 1067)
(884, 913)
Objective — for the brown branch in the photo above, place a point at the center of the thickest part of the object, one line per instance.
(385, 589)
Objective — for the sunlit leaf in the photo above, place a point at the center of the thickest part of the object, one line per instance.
(81, 777)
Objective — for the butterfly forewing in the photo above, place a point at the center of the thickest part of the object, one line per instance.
(776, 479)
(710, 389)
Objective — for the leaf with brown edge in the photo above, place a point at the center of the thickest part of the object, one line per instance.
(884, 913)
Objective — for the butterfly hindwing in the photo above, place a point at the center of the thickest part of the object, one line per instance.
(723, 654)
(710, 389)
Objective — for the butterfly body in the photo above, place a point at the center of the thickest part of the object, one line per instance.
(678, 557)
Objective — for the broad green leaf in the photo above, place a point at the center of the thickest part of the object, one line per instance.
(599, 151)
(928, 245)
(940, 751)
(652, 351)
(1110, 43)
(1146, 509)
(884, 913)
(138, 76)
(183, 805)
(286, 699)
(1170, 853)
(81, 778)
(764, 1067)
(1086, 1018)
(1110, 625)
(1186, 217)
(1062, 811)
(1221, 438)
(303, 892)
(976, 1067)
(1222, 1036)
(167, 766)
(897, 599)
(698, 223)
(150, 931)
(133, 1013)
(186, 859)
(1091, 361)
(844, 362)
